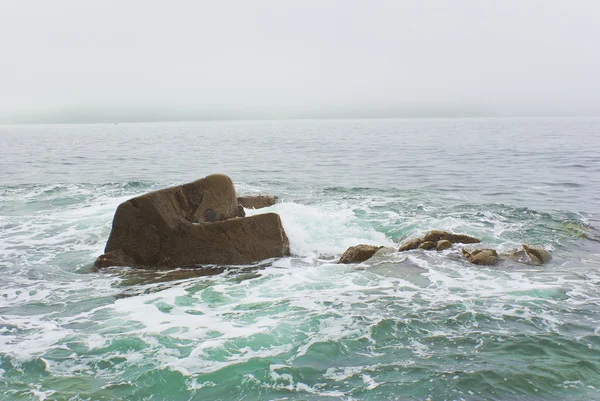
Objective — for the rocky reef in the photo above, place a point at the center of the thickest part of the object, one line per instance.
(442, 240)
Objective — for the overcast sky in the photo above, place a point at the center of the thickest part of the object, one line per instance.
(74, 60)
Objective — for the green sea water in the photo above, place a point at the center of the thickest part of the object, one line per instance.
(406, 326)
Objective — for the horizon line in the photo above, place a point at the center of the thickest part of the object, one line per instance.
(245, 119)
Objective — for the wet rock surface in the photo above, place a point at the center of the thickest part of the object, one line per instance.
(485, 257)
(435, 237)
(358, 253)
(427, 245)
(537, 255)
(410, 244)
(443, 244)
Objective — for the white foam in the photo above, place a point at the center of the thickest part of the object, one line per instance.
(39, 394)
(283, 313)
(327, 228)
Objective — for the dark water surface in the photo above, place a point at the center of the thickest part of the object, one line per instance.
(413, 326)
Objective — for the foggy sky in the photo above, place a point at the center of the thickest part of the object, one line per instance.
(143, 60)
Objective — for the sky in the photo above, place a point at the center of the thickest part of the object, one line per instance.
(144, 60)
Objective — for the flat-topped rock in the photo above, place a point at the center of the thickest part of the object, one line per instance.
(437, 235)
(257, 201)
(195, 223)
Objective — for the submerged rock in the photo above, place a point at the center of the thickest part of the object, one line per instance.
(257, 201)
(383, 252)
(190, 224)
(437, 235)
(358, 253)
(537, 254)
(443, 244)
(486, 257)
(529, 254)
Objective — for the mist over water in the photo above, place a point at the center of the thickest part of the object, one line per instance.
(414, 326)
(70, 62)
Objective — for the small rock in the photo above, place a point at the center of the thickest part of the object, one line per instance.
(411, 244)
(437, 235)
(443, 244)
(427, 245)
(358, 253)
(537, 254)
(257, 201)
(486, 257)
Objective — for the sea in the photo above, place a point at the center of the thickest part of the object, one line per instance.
(417, 325)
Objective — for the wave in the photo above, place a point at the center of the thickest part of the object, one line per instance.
(301, 327)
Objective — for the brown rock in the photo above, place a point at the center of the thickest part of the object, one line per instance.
(427, 245)
(443, 244)
(411, 244)
(537, 254)
(219, 201)
(358, 253)
(256, 202)
(485, 257)
(191, 224)
(437, 235)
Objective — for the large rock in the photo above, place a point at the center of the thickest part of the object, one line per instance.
(358, 253)
(537, 254)
(257, 201)
(195, 223)
(437, 235)
(486, 257)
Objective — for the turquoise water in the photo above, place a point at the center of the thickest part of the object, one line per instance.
(412, 326)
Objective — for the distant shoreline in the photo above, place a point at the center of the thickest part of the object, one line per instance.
(283, 119)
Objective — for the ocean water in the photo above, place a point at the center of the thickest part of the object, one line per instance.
(411, 326)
